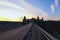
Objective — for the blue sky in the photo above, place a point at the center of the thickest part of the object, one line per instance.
(48, 9)
(45, 5)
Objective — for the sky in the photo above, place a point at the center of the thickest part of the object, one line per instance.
(14, 10)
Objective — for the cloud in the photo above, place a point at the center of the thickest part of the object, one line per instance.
(34, 10)
(56, 3)
(52, 8)
(25, 7)
(11, 5)
(14, 6)
(38, 11)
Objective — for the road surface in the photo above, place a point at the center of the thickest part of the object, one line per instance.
(15, 34)
(27, 32)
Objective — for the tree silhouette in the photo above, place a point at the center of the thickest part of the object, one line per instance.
(38, 18)
(24, 20)
(42, 19)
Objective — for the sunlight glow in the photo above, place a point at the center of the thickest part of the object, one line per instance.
(13, 15)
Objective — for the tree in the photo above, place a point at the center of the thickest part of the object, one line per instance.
(24, 20)
(42, 19)
(38, 18)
